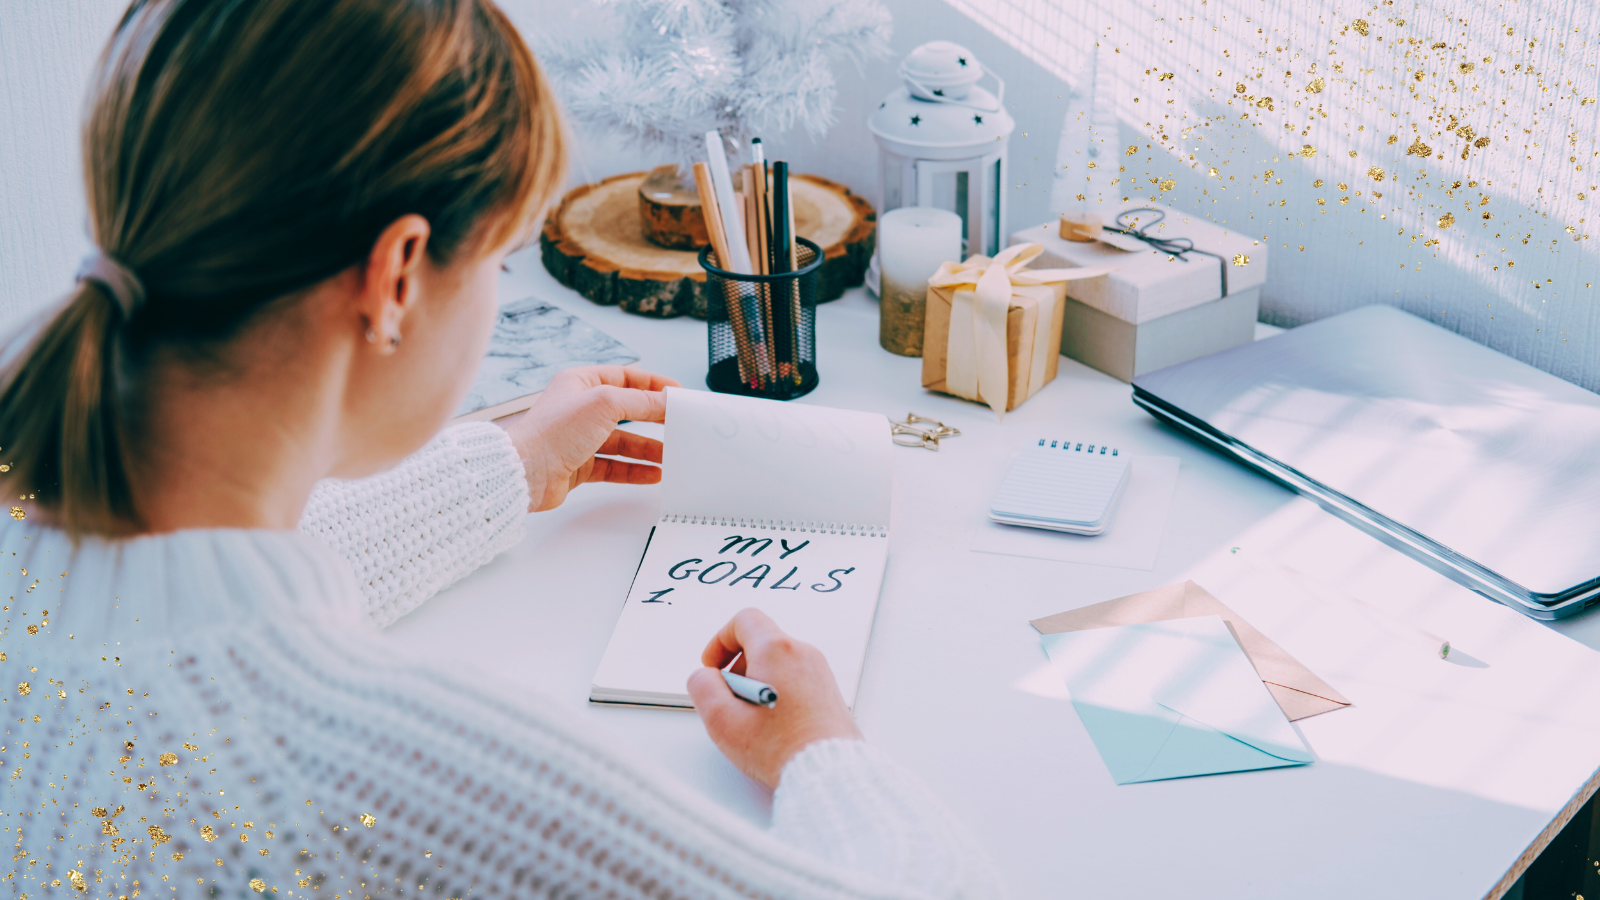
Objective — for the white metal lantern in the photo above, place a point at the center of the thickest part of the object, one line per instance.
(942, 142)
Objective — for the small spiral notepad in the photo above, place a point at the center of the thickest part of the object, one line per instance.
(1062, 485)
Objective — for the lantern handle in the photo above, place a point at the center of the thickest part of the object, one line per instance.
(1000, 95)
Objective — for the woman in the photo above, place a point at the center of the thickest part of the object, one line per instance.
(300, 208)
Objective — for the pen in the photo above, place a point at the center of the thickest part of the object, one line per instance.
(751, 690)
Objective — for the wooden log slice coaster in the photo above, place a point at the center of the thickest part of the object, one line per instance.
(594, 243)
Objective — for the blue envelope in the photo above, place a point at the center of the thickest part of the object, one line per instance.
(1172, 699)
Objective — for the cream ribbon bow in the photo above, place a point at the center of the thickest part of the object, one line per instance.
(976, 363)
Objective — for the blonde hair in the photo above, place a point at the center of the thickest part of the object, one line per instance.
(236, 152)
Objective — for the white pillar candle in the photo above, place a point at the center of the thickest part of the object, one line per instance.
(912, 243)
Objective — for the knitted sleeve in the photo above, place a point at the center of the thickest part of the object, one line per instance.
(830, 792)
(416, 529)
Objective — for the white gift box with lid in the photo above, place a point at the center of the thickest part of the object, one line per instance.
(1156, 309)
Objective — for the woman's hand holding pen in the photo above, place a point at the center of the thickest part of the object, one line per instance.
(758, 740)
(565, 437)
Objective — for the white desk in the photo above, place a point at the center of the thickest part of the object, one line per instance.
(951, 641)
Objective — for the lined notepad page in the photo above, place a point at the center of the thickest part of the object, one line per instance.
(1062, 483)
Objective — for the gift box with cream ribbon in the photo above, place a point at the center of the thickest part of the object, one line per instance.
(993, 327)
(1161, 304)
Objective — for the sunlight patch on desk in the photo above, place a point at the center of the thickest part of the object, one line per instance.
(1514, 730)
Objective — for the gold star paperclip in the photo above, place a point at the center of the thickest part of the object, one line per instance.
(921, 431)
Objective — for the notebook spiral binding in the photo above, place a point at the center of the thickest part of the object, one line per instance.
(1080, 447)
(877, 531)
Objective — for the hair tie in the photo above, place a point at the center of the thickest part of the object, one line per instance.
(118, 280)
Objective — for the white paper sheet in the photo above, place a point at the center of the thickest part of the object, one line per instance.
(1172, 699)
(820, 588)
(1131, 541)
(742, 457)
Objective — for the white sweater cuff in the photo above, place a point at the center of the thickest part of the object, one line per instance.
(414, 530)
(850, 804)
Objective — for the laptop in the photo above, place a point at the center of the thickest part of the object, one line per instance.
(1481, 467)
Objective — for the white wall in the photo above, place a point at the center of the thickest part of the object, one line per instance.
(1367, 250)
(47, 48)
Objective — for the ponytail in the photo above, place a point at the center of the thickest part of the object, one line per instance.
(236, 154)
(63, 422)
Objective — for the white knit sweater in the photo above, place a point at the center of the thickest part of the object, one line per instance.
(212, 712)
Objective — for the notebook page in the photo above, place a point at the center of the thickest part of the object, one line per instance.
(1049, 483)
(732, 456)
(820, 587)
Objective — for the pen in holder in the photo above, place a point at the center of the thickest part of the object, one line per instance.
(761, 329)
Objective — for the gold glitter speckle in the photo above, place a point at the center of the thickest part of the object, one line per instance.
(1465, 67)
(19, 514)
(257, 885)
(1480, 143)
(1418, 148)
(107, 828)
(1361, 27)
(24, 689)
(99, 812)
(1165, 76)
(1132, 149)
(177, 855)
(33, 629)
(169, 759)
(207, 833)
(1316, 86)
(157, 836)
(1308, 151)
(1393, 139)
(1375, 173)
(244, 838)
(1317, 183)
(1239, 259)
(1446, 220)
(75, 878)
(1168, 184)
(368, 819)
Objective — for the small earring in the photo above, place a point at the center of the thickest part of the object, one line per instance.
(394, 340)
(372, 336)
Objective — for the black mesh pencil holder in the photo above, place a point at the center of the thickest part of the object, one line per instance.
(762, 329)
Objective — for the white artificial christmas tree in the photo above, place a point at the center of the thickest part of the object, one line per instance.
(668, 71)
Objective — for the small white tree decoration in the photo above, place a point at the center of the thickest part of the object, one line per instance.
(671, 70)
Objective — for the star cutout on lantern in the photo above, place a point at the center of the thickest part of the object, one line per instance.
(916, 120)
(962, 60)
(978, 119)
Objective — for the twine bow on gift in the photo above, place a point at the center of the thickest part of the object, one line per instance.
(976, 365)
(1174, 247)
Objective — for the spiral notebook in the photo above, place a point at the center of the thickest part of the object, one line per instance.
(779, 506)
(1062, 485)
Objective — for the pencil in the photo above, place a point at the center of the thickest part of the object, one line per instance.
(785, 260)
(719, 244)
(762, 252)
(756, 314)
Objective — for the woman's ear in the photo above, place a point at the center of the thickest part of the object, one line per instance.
(389, 281)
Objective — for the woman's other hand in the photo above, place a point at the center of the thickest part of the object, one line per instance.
(760, 741)
(576, 418)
